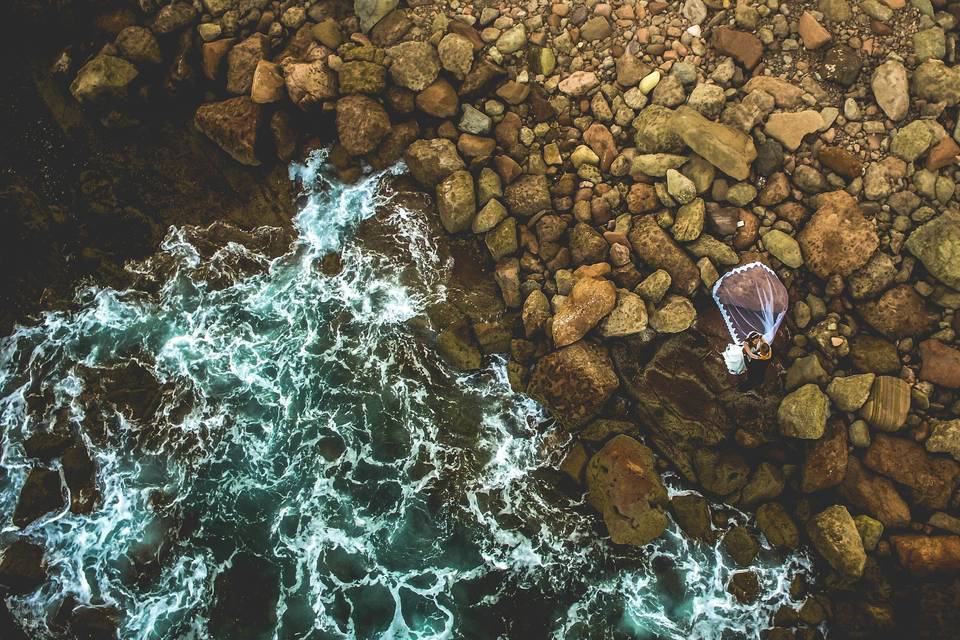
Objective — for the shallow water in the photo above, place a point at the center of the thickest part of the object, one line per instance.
(308, 468)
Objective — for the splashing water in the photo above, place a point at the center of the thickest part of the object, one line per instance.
(303, 466)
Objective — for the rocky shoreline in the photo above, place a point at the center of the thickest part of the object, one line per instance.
(613, 160)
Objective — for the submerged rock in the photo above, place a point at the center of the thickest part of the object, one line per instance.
(22, 567)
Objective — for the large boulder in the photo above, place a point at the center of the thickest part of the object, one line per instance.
(874, 495)
(309, 84)
(414, 65)
(528, 194)
(825, 464)
(656, 248)
(803, 413)
(588, 303)
(624, 487)
(456, 201)
(41, 493)
(430, 161)
(724, 147)
(242, 62)
(928, 555)
(838, 239)
(900, 313)
(931, 480)
(937, 245)
(574, 382)
(102, 79)
(21, 567)
(232, 124)
(362, 122)
(834, 535)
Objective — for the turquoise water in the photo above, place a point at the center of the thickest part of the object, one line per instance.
(307, 468)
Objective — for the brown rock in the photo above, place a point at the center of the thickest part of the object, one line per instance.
(268, 84)
(528, 195)
(625, 488)
(813, 34)
(874, 495)
(574, 383)
(840, 161)
(834, 534)
(430, 161)
(838, 238)
(599, 138)
(438, 100)
(785, 94)
(943, 154)
(900, 312)
(941, 364)
(513, 92)
(642, 198)
(233, 125)
(790, 127)
(42, 492)
(309, 83)
(826, 462)
(931, 480)
(362, 122)
(657, 249)
(212, 57)
(589, 302)
(743, 47)
(928, 555)
(888, 404)
(242, 62)
(393, 144)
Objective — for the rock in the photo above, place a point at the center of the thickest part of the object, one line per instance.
(309, 84)
(870, 353)
(439, 99)
(720, 472)
(741, 546)
(937, 245)
(934, 81)
(931, 480)
(675, 315)
(360, 76)
(362, 122)
(654, 287)
(911, 141)
(785, 94)
(929, 43)
(928, 555)
(430, 161)
(589, 302)
(865, 491)
(689, 221)
(789, 128)
(578, 83)
(945, 438)
(268, 85)
(624, 487)
(657, 249)
(838, 238)
(784, 248)
(891, 89)
(655, 132)
(813, 34)
(888, 404)
(242, 62)
(103, 79)
(456, 55)
(803, 413)
(596, 28)
(777, 526)
(898, 313)
(501, 241)
(653, 164)
(834, 535)
(873, 278)
(21, 567)
(41, 493)
(840, 161)
(680, 187)
(574, 383)
(456, 201)
(825, 464)
(327, 32)
(233, 125)
(370, 12)
(507, 276)
(743, 47)
(850, 393)
(138, 45)
(940, 364)
(528, 195)
(512, 40)
(708, 99)
(173, 17)
(414, 65)
(692, 513)
(631, 70)
(842, 65)
(724, 147)
(694, 10)
(629, 317)
(536, 311)
(804, 371)
(744, 586)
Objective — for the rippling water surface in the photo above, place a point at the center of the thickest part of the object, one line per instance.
(297, 464)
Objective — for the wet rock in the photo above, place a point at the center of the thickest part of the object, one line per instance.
(625, 488)
(931, 480)
(362, 122)
(103, 79)
(891, 89)
(745, 586)
(41, 493)
(656, 248)
(268, 84)
(309, 84)
(834, 535)
(233, 125)
(724, 147)
(692, 513)
(803, 413)
(677, 314)
(458, 348)
(777, 526)
(899, 313)
(945, 438)
(849, 393)
(838, 238)
(628, 318)
(720, 472)
(740, 544)
(138, 45)
(654, 286)
(414, 65)
(826, 461)
(430, 161)
(888, 404)
(536, 311)
(528, 195)
(589, 302)
(79, 472)
(937, 245)
(21, 567)
(371, 12)
(242, 62)
(928, 555)
(574, 382)
(456, 201)
(743, 47)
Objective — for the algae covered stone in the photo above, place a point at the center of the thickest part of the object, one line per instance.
(803, 413)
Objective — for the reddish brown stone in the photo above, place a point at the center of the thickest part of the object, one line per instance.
(574, 383)
(927, 555)
(900, 313)
(362, 122)
(943, 153)
(233, 124)
(743, 47)
(941, 364)
(476, 146)
(642, 198)
(931, 480)
(838, 238)
(874, 495)
(840, 161)
(212, 56)
(656, 248)
(438, 100)
(826, 462)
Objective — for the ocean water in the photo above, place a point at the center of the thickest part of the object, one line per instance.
(305, 467)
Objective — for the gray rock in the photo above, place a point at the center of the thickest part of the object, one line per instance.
(371, 12)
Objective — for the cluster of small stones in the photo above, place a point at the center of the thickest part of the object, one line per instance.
(614, 159)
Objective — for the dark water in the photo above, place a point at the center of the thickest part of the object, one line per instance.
(306, 468)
